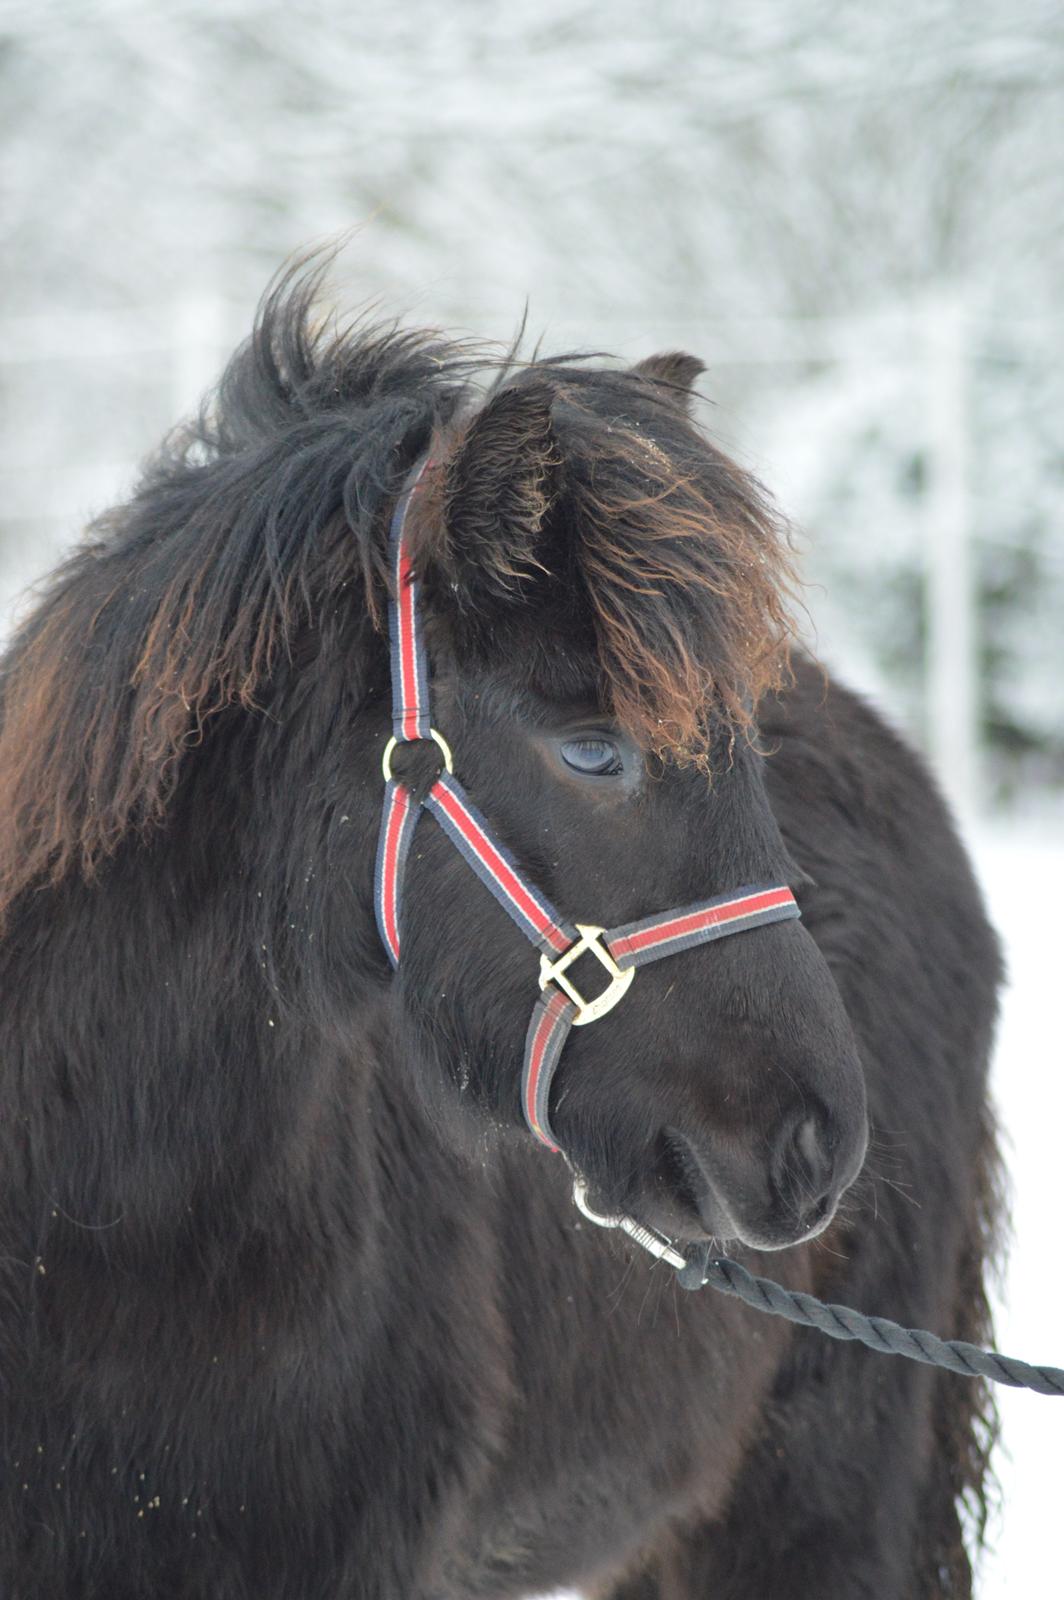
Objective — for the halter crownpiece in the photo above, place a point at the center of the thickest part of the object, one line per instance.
(620, 951)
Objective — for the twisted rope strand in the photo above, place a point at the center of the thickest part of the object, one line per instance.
(878, 1333)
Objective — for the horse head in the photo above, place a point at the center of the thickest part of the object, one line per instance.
(603, 598)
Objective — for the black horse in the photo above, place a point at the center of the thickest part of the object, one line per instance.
(293, 1307)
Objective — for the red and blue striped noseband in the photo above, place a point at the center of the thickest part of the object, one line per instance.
(620, 951)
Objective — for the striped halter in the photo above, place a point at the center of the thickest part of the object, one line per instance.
(620, 951)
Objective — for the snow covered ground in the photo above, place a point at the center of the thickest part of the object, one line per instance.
(1022, 871)
(1023, 874)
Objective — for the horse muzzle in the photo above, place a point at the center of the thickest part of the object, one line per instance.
(768, 1197)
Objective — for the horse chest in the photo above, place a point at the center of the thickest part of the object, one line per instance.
(630, 1405)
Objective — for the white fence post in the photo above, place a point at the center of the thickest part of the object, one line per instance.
(952, 674)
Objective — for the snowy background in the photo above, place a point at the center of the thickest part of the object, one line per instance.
(853, 215)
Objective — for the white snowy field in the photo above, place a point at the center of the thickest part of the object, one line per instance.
(1022, 871)
(1023, 874)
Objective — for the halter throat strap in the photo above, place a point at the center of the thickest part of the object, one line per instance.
(620, 951)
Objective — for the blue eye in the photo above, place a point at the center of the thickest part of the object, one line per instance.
(596, 757)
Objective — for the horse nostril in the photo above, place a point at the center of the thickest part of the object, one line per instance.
(803, 1169)
(811, 1147)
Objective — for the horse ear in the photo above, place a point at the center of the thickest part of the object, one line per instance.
(675, 370)
(496, 490)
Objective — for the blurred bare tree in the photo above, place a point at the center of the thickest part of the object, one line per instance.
(757, 182)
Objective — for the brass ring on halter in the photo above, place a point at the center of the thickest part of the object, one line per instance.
(445, 751)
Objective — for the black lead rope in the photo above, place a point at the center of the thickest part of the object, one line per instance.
(878, 1333)
(699, 1266)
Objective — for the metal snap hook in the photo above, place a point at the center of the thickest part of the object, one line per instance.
(654, 1242)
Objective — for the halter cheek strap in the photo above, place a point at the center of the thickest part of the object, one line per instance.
(620, 951)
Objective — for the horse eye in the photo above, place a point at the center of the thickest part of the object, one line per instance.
(599, 757)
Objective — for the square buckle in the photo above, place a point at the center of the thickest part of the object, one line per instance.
(554, 972)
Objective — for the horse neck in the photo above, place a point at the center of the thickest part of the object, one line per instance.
(166, 1061)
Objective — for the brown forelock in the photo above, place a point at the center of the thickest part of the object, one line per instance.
(686, 572)
(685, 566)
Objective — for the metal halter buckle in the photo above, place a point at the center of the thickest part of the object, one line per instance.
(554, 972)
